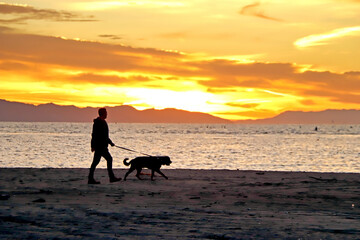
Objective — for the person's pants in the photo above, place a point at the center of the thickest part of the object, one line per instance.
(97, 156)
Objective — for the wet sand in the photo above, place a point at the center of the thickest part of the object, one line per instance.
(192, 204)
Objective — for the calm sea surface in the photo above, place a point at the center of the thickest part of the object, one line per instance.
(333, 148)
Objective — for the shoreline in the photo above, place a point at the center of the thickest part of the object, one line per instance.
(176, 169)
(207, 204)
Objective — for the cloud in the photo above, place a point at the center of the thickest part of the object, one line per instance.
(13, 66)
(107, 79)
(255, 10)
(226, 73)
(308, 102)
(281, 77)
(81, 54)
(324, 38)
(23, 13)
(242, 105)
(105, 5)
(58, 60)
(335, 96)
(111, 36)
(55, 61)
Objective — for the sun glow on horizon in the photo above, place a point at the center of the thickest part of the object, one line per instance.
(196, 101)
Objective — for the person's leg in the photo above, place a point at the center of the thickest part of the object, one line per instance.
(96, 160)
(109, 161)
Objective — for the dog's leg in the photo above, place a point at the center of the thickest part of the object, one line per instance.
(158, 171)
(128, 172)
(152, 174)
(138, 173)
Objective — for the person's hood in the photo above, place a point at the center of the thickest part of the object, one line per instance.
(98, 119)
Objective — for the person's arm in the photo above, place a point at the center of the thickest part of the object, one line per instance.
(93, 137)
(111, 143)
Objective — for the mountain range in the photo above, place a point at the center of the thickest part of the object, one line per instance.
(323, 117)
(21, 112)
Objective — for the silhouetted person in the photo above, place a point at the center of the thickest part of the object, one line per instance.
(99, 145)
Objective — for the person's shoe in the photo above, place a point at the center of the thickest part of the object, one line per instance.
(93, 181)
(115, 179)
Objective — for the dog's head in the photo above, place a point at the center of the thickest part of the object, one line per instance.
(165, 160)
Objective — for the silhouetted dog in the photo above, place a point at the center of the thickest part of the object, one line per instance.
(152, 163)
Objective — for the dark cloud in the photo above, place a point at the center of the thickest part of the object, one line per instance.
(13, 66)
(111, 36)
(81, 54)
(333, 95)
(329, 80)
(255, 10)
(97, 78)
(242, 105)
(22, 13)
(308, 102)
(281, 77)
(108, 79)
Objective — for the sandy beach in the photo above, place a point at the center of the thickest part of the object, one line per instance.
(192, 204)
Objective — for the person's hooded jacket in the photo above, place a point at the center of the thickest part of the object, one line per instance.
(100, 134)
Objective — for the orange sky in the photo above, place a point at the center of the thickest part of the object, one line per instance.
(232, 59)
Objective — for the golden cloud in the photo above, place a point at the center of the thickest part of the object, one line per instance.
(255, 10)
(324, 38)
(23, 12)
(35, 67)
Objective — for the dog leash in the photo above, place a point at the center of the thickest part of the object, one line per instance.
(130, 150)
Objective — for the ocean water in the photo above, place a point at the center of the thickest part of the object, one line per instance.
(332, 148)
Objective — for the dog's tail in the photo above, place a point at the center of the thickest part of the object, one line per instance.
(126, 163)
